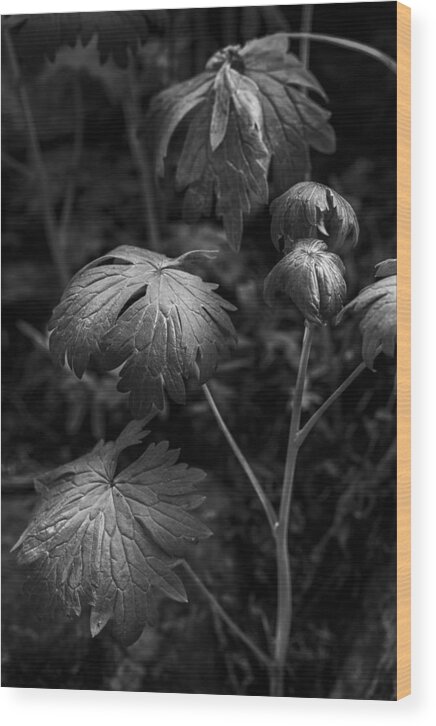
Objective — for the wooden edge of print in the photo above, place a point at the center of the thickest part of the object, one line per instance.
(403, 355)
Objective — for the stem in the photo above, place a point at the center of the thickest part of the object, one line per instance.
(230, 25)
(306, 27)
(349, 45)
(67, 206)
(236, 630)
(17, 166)
(48, 215)
(140, 159)
(284, 581)
(307, 428)
(201, 42)
(269, 509)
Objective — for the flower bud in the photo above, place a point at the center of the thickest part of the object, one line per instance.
(376, 310)
(308, 208)
(312, 277)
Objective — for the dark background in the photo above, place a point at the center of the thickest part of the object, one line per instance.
(343, 539)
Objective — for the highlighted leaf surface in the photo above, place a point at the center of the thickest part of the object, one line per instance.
(141, 309)
(109, 540)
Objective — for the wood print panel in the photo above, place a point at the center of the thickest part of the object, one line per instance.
(202, 214)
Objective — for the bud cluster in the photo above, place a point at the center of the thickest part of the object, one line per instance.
(311, 273)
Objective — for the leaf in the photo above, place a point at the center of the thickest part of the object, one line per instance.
(376, 309)
(236, 172)
(39, 36)
(293, 122)
(85, 58)
(108, 540)
(245, 110)
(150, 64)
(386, 268)
(171, 106)
(141, 309)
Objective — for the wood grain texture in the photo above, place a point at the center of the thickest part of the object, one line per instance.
(403, 353)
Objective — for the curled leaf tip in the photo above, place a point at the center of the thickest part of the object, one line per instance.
(386, 268)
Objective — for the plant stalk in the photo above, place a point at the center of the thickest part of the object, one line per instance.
(284, 577)
(269, 509)
(349, 45)
(142, 163)
(17, 166)
(308, 426)
(236, 630)
(68, 202)
(306, 28)
(50, 224)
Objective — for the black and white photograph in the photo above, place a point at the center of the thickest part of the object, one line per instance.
(199, 348)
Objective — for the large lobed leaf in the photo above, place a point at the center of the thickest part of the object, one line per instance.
(246, 112)
(109, 540)
(141, 309)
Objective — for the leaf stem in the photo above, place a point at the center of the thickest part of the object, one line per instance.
(48, 214)
(308, 426)
(236, 630)
(268, 507)
(68, 202)
(17, 166)
(140, 159)
(284, 577)
(349, 45)
(306, 27)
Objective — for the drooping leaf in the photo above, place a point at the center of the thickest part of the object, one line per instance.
(293, 121)
(141, 309)
(39, 36)
(312, 277)
(376, 310)
(171, 106)
(236, 171)
(109, 540)
(245, 110)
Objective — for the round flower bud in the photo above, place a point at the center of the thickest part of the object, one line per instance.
(308, 208)
(312, 277)
(376, 310)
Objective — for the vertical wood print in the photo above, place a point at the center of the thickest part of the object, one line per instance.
(403, 353)
(202, 214)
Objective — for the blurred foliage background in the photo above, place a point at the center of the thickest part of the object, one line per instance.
(343, 539)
